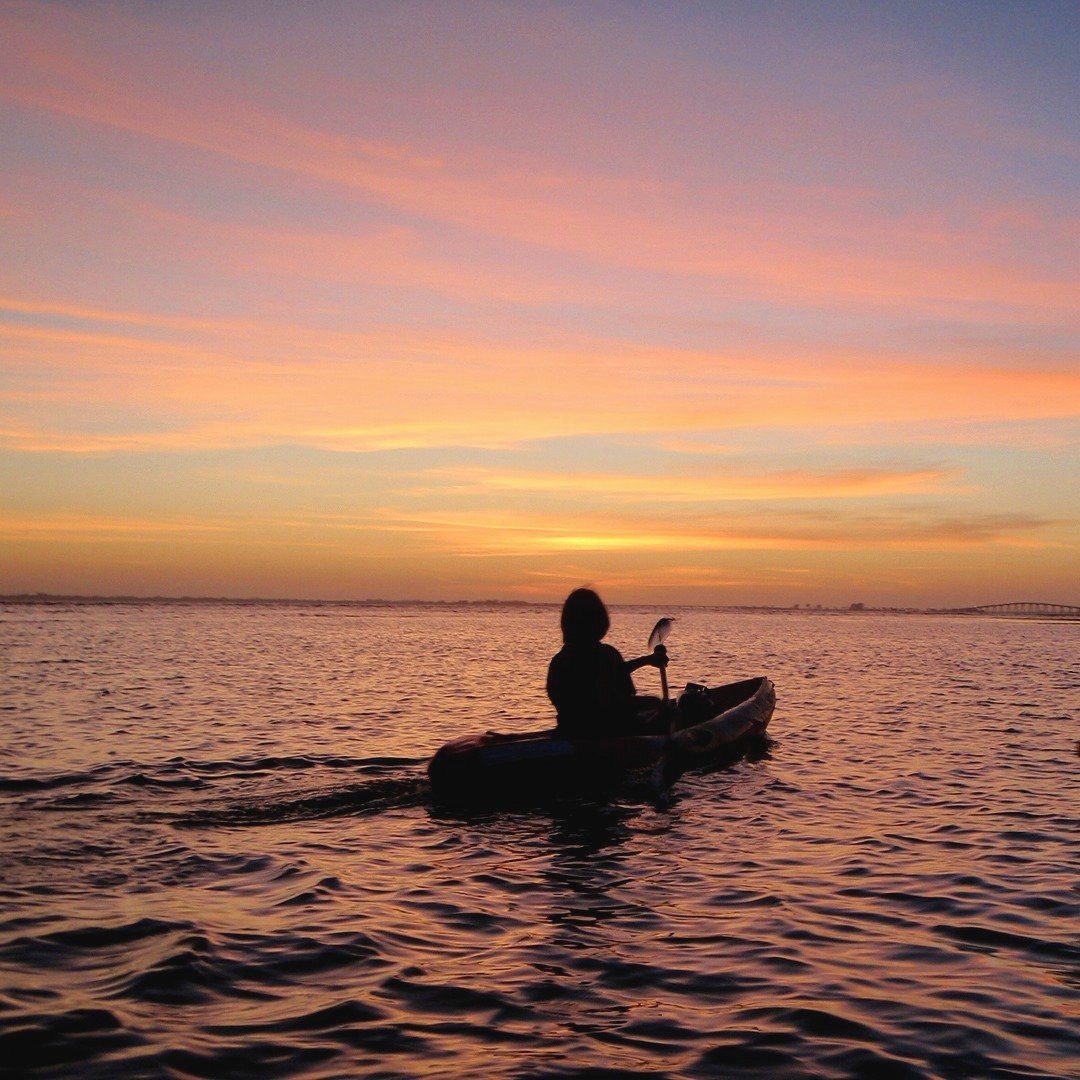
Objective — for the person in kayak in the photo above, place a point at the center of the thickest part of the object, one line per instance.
(589, 682)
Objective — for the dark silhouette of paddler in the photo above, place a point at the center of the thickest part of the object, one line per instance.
(589, 682)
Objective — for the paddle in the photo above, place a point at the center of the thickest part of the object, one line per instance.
(658, 636)
(659, 778)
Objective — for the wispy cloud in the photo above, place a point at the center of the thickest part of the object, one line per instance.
(237, 384)
(794, 484)
(502, 533)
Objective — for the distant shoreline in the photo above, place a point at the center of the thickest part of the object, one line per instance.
(240, 601)
(79, 600)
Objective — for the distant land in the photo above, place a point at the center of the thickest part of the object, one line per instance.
(240, 601)
(1022, 609)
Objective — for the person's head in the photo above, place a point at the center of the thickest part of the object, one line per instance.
(584, 618)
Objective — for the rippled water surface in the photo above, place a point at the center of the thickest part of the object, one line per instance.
(220, 856)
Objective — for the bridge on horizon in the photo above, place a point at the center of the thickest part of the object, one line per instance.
(1019, 607)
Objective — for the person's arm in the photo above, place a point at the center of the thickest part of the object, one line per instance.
(657, 658)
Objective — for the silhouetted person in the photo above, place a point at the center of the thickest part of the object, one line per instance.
(589, 682)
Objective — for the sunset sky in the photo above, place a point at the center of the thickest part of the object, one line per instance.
(694, 302)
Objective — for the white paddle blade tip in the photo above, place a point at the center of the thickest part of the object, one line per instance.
(660, 632)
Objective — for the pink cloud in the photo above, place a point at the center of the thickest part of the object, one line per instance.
(775, 240)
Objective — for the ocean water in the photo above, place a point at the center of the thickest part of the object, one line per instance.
(219, 856)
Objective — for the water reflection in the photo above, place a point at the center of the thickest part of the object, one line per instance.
(579, 887)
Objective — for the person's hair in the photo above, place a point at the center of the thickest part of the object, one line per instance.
(584, 617)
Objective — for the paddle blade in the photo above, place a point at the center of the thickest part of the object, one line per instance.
(660, 632)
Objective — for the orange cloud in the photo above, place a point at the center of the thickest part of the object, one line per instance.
(236, 384)
(93, 528)
(501, 533)
(795, 484)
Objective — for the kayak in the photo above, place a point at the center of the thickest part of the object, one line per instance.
(711, 726)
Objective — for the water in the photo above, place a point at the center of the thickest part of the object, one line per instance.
(220, 857)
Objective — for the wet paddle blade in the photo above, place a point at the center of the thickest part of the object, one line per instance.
(660, 632)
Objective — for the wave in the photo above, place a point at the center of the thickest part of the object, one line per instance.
(69, 1039)
(184, 772)
(61, 948)
(275, 762)
(371, 796)
(18, 784)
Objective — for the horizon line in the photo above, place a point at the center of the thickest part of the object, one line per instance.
(128, 598)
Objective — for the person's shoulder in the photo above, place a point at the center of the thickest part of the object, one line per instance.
(611, 652)
(566, 655)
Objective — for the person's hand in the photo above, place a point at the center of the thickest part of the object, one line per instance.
(659, 656)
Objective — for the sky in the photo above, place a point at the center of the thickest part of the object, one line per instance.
(718, 303)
